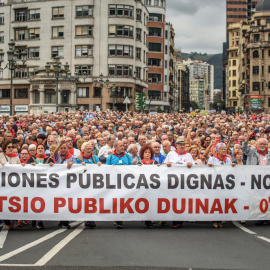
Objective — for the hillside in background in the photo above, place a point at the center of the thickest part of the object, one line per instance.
(212, 59)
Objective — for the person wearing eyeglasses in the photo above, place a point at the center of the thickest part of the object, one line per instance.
(74, 152)
(8, 157)
(258, 155)
(158, 157)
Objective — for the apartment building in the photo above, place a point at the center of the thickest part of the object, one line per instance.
(94, 38)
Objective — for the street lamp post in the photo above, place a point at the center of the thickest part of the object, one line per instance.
(57, 67)
(12, 63)
(115, 92)
(101, 85)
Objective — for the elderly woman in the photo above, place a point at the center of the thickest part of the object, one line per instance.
(32, 150)
(87, 157)
(146, 155)
(194, 151)
(8, 157)
(40, 158)
(220, 158)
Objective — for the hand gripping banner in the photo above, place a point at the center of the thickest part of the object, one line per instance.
(109, 193)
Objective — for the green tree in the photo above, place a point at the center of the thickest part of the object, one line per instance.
(194, 105)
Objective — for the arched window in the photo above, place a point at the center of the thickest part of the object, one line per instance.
(256, 54)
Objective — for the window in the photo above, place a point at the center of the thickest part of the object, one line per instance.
(256, 54)
(256, 37)
(156, 2)
(121, 30)
(148, 2)
(84, 69)
(34, 14)
(121, 50)
(138, 34)
(165, 79)
(166, 49)
(121, 11)
(21, 15)
(138, 72)
(155, 32)
(120, 70)
(166, 63)
(166, 34)
(234, 103)
(58, 32)
(20, 34)
(83, 50)
(234, 73)
(234, 83)
(50, 97)
(84, 31)
(21, 93)
(138, 53)
(83, 92)
(256, 86)
(154, 17)
(154, 47)
(97, 92)
(154, 62)
(234, 62)
(21, 73)
(64, 96)
(2, 18)
(33, 52)
(57, 51)
(255, 70)
(1, 37)
(234, 93)
(139, 15)
(154, 78)
(20, 50)
(36, 97)
(33, 33)
(58, 12)
(84, 11)
(4, 93)
(154, 95)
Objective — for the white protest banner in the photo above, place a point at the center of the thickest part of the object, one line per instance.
(109, 193)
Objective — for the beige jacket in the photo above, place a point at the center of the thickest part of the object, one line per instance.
(4, 159)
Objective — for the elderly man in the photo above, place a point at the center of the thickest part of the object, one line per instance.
(107, 149)
(141, 142)
(133, 152)
(179, 156)
(258, 155)
(74, 152)
(158, 157)
(166, 145)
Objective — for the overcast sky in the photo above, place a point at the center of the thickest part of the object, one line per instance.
(200, 25)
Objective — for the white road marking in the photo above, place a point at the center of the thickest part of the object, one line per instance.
(243, 228)
(3, 237)
(16, 265)
(49, 255)
(264, 238)
(32, 244)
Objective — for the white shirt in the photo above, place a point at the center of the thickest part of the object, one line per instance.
(104, 151)
(175, 158)
(216, 161)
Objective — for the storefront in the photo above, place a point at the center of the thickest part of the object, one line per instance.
(21, 109)
(4, 109)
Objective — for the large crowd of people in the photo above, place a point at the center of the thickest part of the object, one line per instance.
(118, 138)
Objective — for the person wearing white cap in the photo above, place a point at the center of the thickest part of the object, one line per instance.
(179, 156)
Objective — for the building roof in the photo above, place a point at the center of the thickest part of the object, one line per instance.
(263, 5)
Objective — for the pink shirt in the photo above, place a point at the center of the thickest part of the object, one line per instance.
(263, 160)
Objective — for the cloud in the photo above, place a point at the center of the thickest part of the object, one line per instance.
(200, 25)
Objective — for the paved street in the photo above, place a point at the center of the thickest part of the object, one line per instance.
(195, 246)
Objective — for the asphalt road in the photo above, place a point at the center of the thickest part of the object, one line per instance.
(195, 246)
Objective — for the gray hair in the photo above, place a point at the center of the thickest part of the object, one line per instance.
(109, 137)
(32, 146)
(131, 147)
(219, 145)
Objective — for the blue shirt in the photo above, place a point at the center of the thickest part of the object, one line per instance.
(88, 161)
(159, 159)
(117, 160)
